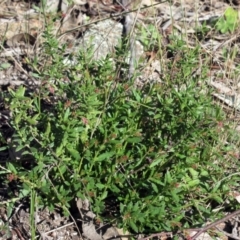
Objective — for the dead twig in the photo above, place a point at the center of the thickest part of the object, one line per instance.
(214, 224)
(200, 230)
(227, 234)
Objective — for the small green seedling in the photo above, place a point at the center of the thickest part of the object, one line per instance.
(149, 37)
(228, 23)
(5, 66)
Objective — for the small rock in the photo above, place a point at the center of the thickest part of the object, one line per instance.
(203, 236)
(103, 36)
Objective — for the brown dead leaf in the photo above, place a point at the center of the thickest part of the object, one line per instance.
(20, 40)
(72, 19)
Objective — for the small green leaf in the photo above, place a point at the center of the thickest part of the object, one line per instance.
(11, 167)
(104, 195)
(231, 15)
(104, 156)
(10, 208)
(155, 188)
(59, 150)
(66, 115)
(3, 148)
(193, 172)
(216, 187)
(134, 140)
(33, 120)
(18, 118)
(156, 162)
(137, 96)
(62, 170)
(48, 130)
(175, 196)
(204, 173)
(168, 177)
(193, 183)
(5, 65)
(36, 75)
(217, 198)
(20, 92)
(133, 226)
(74, 153)
(157, 181)
(136, 207)
(24, 192)
(100, 186)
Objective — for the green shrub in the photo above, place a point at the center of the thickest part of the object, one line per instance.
(155, 150)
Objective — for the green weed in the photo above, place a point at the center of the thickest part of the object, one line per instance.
(158, 151)
(229, 22)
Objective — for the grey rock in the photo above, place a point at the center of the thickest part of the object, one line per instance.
(103, 37)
